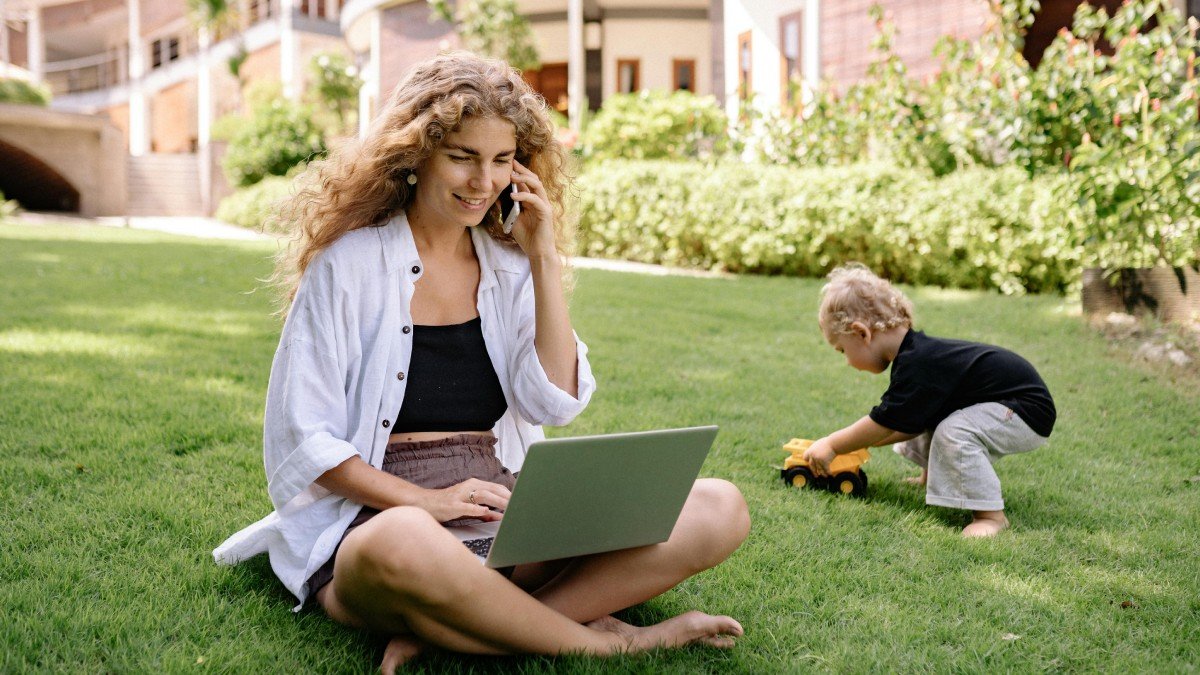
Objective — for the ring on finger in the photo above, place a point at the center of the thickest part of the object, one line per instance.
(471, 497)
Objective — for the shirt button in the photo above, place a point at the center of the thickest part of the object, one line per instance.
(400, 375)
(406, 330)
(386, 424)
(416, 269)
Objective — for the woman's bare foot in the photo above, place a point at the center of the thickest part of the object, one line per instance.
(919, 481)
(687, 628)
(986, 524)
(400, 650)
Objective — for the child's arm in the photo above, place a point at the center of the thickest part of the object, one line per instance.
(863, 433)
(896, 437)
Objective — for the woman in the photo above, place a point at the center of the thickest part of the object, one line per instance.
(422, 347)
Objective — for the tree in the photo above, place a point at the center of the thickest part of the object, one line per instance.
(492, 28)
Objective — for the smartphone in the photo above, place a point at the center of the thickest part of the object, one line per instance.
(509, 209)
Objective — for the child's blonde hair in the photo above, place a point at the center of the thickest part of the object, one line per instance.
(854, 293)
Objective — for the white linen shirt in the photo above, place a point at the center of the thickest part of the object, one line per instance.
(338, 380)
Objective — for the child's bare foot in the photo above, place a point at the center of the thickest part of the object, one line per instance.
(687, 628)
(919, 481)
(986, 524)
(400, 650)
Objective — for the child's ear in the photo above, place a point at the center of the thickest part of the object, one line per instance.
(861, 330)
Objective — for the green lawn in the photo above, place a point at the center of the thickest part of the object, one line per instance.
(134, 365)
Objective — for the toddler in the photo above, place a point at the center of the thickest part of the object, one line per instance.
(953, 407)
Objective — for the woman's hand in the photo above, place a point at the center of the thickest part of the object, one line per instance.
(534, 229)
(468, 499)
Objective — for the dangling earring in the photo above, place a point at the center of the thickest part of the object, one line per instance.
(412, 179)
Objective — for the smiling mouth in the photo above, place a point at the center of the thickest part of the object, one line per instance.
(471, 202)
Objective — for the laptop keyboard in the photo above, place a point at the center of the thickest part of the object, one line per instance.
(480, 546)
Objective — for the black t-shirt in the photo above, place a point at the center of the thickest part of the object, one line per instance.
(934, 377)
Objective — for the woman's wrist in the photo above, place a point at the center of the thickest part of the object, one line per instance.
(545, 262)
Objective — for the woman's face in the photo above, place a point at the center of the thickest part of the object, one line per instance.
(462, 179)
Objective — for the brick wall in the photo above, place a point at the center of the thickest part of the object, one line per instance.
(847, 32)
(18, 50)
(173, 119)
(76, 13)
(156, 14)
(408, 37)
(119, 116)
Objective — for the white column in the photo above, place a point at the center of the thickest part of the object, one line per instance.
(288, 49)
(204, 122)
(368, 93)
(576, 65)
(811, 43)
(3, 38)
(36, 47)
(139, 122)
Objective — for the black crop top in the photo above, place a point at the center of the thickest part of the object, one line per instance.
(452, 385)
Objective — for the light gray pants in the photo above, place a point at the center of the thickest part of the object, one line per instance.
(960, 453)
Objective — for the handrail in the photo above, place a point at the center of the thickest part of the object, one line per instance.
(81, 62)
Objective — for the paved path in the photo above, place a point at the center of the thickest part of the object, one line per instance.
(211, 228)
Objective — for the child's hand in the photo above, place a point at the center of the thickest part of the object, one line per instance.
(819, 455)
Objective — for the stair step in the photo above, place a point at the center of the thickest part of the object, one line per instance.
(164, 185)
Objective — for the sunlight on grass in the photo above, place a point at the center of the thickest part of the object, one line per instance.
(42, 257)
(72, 342)
(1023, 587)
(164, 317)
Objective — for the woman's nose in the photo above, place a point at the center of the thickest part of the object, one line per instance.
(483, 178)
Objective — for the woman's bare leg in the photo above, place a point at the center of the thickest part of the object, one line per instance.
(438, 591)
(714, 522)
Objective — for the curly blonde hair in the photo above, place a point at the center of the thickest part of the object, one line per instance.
(855, 293)
(363, 183)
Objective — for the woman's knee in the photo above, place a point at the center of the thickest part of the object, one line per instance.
(400, 550)
(719, 506)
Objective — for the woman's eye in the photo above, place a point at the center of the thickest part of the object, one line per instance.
(458, 158)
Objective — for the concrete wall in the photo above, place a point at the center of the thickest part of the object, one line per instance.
(87, 151)
(655, 43)
(761, 21)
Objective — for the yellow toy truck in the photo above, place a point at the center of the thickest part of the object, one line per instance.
(846, 475)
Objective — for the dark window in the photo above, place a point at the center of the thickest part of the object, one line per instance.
(157, 57)
(173, 49)
(744, 63)
(628, 76)
(683, 74)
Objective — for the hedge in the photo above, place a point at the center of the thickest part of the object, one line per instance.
(975, 228)
(251, 207)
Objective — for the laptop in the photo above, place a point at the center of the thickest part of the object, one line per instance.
(591, 494)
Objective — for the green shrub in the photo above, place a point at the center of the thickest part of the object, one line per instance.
(7, 208)
(253, 207)
(976, 228)
(20, 91)
(655, 125)
(279, 135)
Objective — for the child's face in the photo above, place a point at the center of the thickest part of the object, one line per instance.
(862, 352)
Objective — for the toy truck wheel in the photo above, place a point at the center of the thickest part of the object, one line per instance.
(798, 477)
(849, 483)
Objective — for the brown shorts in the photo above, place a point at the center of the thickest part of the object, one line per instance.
(433, 465)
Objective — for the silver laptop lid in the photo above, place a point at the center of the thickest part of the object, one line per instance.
(589, 494)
